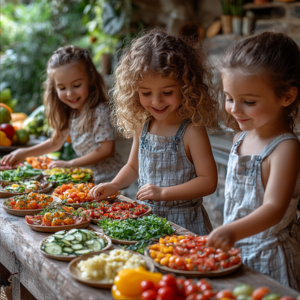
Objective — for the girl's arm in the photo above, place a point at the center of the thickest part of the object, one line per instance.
(51, 145)
(278, 193)
(127, 175)
(204, 184)
(106, 150)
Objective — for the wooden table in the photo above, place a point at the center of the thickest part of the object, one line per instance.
(48, 279)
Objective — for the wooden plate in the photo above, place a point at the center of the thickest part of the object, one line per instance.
(23, 212)
(192, 274)
(41, 228)
(69, 258)
(75, 273)
(6, 194)
(148, 212)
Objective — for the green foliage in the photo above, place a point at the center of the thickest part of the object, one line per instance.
(236, 8)
(225, 7)
(30, 35)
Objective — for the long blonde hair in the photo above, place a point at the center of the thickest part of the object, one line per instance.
(59, 113)
(170, 56)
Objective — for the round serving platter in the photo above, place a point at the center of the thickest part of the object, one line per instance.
(25, 212)
(6, 194)
(69, 258)
(52, 229)
(75, 273)
(192, 274)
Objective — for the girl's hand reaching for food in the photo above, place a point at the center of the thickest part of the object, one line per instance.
(59, 164)
(150, 192)
(103, 190)
(222, 237)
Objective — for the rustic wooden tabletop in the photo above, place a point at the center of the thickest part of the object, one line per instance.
(48, 279)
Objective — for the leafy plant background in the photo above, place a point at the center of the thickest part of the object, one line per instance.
(31, 32)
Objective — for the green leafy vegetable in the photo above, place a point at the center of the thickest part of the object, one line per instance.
(139, 229)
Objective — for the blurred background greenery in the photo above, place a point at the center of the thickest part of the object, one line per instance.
(32, 30)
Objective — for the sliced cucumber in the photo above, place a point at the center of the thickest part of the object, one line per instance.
(50, 239)
(62, 232)
(67, 243)
(102, 241)
(74, 242)
(76, 246)
(69, 250)
(97, 246)
(81, 252)
(65, 253)
(59, 236)
(49, 244)
(72, 231)
(69, 237)
(53, 249)
(78, 236)
(84, 237)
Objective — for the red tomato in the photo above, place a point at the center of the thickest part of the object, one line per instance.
(170, 281)
(191, 296)
(200, 297)
(165, 293)
(209, 250)
(203, 285)
(222, 256)
(259, 293)
(188, 282)
(207, 294)
(225, 294)
(235, 260)
(147, 285)
(149, 295)
(191, 289)
(234, 251)
(180, 262)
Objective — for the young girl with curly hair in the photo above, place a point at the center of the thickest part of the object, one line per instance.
(261, 81)
(163, 98)
(74, 100)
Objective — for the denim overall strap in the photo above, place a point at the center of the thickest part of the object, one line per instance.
(275, 142)
(179, 134)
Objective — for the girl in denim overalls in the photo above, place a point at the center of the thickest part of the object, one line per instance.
(261, 81)
(163, 99)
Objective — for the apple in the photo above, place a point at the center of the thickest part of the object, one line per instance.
(8, 129)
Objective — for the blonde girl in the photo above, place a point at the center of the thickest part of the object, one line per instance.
(261, 80)
(163, 98)
(75, 103)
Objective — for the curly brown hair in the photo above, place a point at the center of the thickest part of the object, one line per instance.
(59, 113)
(273, 54)
(156, 52)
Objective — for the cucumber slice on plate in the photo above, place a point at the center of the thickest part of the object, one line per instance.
(72, 231)
(67, 243)
(76, 246)
(94, 245)
(59, 236)
(68, 250)
(53, 249)
(69, 237)
(62, 232)
(78, 236)
(81, 252)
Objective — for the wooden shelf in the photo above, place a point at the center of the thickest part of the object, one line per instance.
(269, 5)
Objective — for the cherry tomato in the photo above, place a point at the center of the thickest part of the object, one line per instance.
(259, 293)
(147, 285)
(180, 262)
(149, 295)
(200, 297)
(209, 250)
(170, 281)
(224, 294)
(235, 260)
(203, 285)
(191, 289)
(207, 294)
(188, 282)
(165, 293)
(191, 296)
(234, 251)
(222, 256)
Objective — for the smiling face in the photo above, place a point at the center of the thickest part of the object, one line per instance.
(161, 96)
(251, 100)
(72, 85)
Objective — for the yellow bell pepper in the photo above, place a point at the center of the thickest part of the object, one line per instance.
(118, 296)
(128, 281)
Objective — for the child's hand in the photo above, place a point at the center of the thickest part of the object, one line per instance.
(222, 237)
(103, 190)
(13, 158)
(150, 192)
(59, 164)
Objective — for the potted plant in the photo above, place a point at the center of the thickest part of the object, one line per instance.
(226, 17)
(236, 10)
